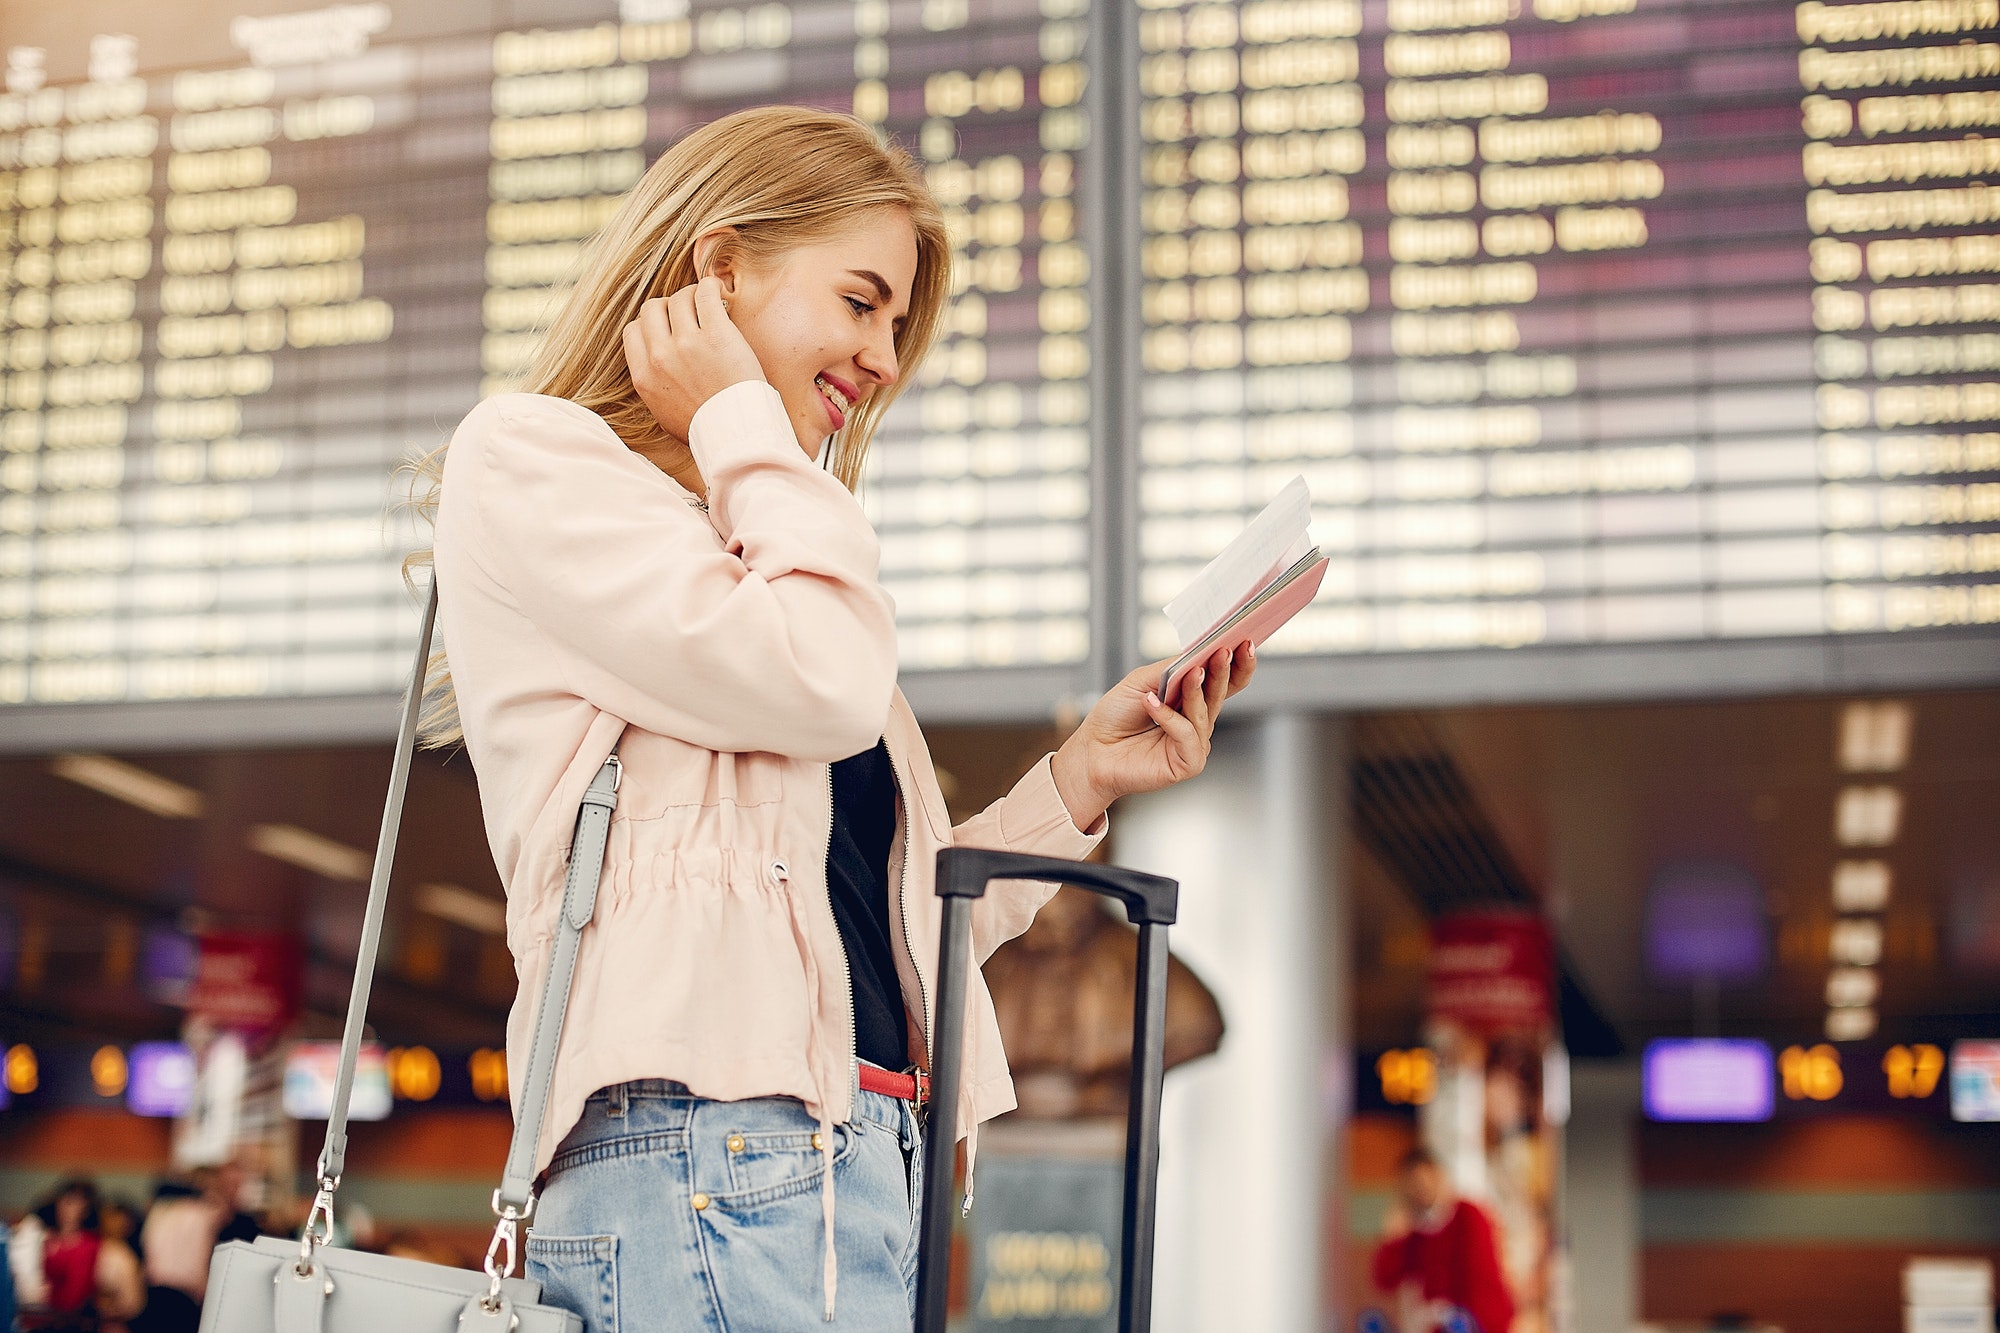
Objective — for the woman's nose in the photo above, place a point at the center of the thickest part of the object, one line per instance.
(877, 360)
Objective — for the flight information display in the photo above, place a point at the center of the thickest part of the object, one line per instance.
(1588, 321)
(244, 277)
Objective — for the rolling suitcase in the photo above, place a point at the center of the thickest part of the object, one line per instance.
(1150, 903)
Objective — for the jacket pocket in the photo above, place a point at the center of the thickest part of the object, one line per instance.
(578, 1274)
(663, 773)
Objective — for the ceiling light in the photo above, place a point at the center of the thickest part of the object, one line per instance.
(309, 851)
(1874, 737)
(129, 783)
(1852, 987)
(1850, 1024)
(1861, 886)
(455, 903)
(1867, 816)
(1856, 941)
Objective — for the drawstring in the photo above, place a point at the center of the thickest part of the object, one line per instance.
(971, 1165)
(829, 1273)
(830, 1266)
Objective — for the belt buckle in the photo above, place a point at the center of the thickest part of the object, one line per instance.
(920, 1083)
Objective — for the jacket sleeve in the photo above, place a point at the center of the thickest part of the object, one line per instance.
(1033, 819)
(1391, 1259)
(780, 640)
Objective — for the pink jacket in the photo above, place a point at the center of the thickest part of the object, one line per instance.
(584, 599)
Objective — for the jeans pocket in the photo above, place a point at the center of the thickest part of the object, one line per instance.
(578, 1274)
(767, 1167)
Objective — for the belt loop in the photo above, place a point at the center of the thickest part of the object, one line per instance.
(618, 1101)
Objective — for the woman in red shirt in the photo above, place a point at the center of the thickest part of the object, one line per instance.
(69, 1257)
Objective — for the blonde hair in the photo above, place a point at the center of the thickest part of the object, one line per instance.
(774, 178)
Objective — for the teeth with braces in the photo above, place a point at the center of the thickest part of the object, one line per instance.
(840, 399)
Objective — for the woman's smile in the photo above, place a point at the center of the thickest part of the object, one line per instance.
(840, 396)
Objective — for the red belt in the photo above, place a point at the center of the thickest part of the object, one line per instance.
(911, 1087)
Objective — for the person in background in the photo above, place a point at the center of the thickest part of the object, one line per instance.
(1439, 1258)
(69, 1256)
(6, 1276)
(223, 1186)
(176, 1241)
(121, 1282)
(167, 1311)
(24, 1264)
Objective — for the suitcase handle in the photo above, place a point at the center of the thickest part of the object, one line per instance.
(1151, 902)
(963, 872)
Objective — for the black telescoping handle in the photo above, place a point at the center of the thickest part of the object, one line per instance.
(1150, 903)
(964, 872)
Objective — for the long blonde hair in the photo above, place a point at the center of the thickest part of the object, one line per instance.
(775, 177)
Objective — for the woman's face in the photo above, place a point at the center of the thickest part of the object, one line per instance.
(71, 1209)
(823, 318)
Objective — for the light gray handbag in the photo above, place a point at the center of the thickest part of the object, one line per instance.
(273, 1285)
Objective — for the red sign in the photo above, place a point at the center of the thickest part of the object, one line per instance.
(248, 983)
(1492, 972)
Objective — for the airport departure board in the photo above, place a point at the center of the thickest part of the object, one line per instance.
(1590, 322)
(244, 277)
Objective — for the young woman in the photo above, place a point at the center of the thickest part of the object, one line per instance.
(69, 1258)
(657, 549)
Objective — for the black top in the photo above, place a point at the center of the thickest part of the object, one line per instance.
(857, 880)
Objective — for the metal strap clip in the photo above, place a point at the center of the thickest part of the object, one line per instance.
(501, 1250)
(318, 1229)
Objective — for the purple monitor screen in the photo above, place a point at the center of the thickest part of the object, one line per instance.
(1711, 1079)
(1705, 921)
(167, 963)
(162, 1079)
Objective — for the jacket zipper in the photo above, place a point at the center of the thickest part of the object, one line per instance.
(903, 910)
(846, 968)
(782, 872)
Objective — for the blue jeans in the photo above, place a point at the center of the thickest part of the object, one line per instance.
(664, 1212)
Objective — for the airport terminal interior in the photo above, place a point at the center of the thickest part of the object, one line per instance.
(1701, 867)
(1601, 871)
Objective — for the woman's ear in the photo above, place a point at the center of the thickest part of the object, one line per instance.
(715, 257)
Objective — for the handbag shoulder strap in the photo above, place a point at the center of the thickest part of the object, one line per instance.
(579, 905)
(333, 1156)
(514, 1200)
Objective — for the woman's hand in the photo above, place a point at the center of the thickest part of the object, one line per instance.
(1131, 742)
(683, 350)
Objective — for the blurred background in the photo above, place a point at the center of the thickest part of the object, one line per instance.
(1610, 846)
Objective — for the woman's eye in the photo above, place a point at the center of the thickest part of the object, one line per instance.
(859, 307)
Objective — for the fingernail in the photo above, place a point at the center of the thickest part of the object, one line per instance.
(1153, 698)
